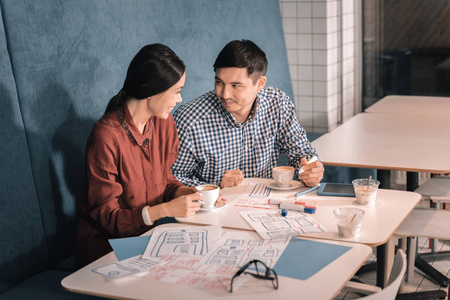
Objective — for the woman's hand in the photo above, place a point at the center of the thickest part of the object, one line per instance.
(184, 190)
(220, 201)
(184, 206)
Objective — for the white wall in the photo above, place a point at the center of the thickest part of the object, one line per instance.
(320, 42)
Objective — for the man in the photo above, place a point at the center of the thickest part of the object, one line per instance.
(240, 129)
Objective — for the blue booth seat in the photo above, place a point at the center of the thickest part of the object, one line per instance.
(60, 63)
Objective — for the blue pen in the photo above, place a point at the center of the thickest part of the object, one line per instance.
(296, 207)
(307, 191)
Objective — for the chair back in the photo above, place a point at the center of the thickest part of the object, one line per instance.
(395, 279)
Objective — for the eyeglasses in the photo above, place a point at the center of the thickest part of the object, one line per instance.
(269, 273)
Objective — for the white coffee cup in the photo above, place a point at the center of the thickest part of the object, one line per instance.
(283, 176)
(210, 194)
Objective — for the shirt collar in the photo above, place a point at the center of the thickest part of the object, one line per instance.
(131, 128)
(231, 120)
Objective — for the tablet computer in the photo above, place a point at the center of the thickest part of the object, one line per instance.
(336, 189)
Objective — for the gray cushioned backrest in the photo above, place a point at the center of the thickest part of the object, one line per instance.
(70, 57)
(23, 250)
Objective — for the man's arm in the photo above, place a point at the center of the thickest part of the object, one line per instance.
(231, 178)
(185, 166)
(296, 146)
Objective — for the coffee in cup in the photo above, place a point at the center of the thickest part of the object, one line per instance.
(283, 176)
(210, 194)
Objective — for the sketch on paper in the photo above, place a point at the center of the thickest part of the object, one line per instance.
(215, 269)
(258, 195)
(187, 242)
(259, 190)
(230, 250)
(183, 240)
(270, 224)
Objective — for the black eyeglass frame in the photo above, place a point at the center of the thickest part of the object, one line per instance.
(266, 276)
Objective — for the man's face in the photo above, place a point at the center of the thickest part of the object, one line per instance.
(237, 91)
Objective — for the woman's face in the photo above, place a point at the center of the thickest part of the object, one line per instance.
(162, 104)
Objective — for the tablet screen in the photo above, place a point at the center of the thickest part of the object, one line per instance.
(336, 189)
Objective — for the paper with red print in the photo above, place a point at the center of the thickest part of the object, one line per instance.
(270, 224)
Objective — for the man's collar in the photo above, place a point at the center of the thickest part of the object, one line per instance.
(232, 120)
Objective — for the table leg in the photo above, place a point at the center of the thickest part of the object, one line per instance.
(385, 260)
(412, 181)
(411, 256)
(384, 177)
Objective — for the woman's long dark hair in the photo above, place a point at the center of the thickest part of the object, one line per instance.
(153, 70)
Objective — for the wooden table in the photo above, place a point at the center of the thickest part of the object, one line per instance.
(389, 142)
(401, 105)
(406, 133)
(325, 284)
(427, 126)
(379, 223)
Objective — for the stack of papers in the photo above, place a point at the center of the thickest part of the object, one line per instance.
(195, 256)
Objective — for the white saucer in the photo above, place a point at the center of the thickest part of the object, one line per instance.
(294, 184)
(213, 208)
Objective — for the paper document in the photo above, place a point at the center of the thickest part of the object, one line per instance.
(237, 248)
(218, 266)
(270, 224)
(186, 240)
(259, 195)
(183, 239)
(132, 266)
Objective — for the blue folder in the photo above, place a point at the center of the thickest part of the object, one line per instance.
(129, 247)
(303, 258)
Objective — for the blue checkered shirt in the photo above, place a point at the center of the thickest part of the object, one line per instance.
(212, 141)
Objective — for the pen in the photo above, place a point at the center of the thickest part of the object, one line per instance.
(297, 207)
(307, 191)
(278, 201)
(309, 161)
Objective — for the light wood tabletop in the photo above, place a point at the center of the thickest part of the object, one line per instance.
(421, 105)
(383, 151)
(379, 223)
(402, 142)
(385, 124)
(325, 284)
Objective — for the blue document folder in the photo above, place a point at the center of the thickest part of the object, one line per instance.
(129, 247)
(303, 258)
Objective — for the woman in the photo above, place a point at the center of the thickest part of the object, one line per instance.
(129, 153)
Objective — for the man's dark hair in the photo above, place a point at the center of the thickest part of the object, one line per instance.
(243, 54)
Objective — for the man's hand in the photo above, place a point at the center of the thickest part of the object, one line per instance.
(313, 173)
(231, 178)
